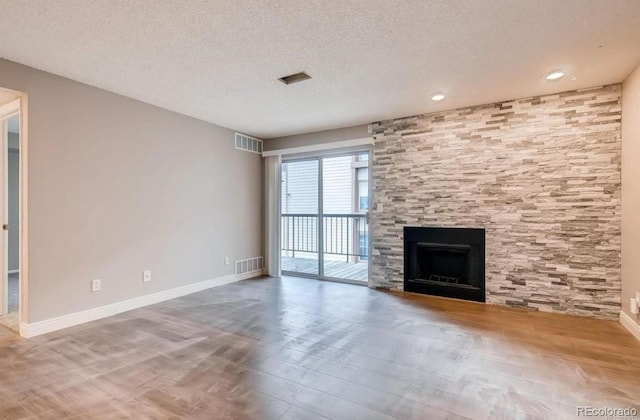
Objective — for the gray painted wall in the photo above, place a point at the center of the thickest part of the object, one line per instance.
(328, 136)
(13, 205)
(117, 186)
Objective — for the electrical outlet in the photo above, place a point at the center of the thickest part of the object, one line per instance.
(146, 275)
(227, 260)
(96, 285)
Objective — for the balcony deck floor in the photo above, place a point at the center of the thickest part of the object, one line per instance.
(358, 271)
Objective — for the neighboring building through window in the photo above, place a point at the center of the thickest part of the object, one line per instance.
(345, 201)
(361, 200)
(362, 177)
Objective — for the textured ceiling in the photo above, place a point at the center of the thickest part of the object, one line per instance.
(370, 59)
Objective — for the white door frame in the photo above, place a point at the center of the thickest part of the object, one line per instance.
(18, 107)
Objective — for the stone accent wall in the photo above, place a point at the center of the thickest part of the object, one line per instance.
(541, 175)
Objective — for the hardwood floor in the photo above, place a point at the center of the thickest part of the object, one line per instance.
(295, 348)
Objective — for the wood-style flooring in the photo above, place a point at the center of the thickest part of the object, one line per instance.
(294, 348)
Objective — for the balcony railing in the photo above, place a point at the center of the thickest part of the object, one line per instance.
(343, 235)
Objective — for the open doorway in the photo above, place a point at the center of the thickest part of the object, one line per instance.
(13, 247)
(10, 213)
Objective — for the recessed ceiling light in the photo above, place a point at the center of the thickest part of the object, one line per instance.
(554, 75)
(437, 97)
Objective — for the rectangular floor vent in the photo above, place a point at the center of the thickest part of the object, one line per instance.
(248, 143)
(250, 265)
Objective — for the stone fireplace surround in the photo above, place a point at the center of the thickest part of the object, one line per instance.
(541, 175)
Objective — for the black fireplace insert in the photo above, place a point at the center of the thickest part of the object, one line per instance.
(445, 262)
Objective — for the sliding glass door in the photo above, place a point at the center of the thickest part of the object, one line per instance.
(324, 217)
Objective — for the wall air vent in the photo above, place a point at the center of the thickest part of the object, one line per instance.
(250, 267)
(248, 143)
(294, 78)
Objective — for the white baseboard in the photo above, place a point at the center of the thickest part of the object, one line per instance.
(630, 325)
(66, 321)
(13, 271)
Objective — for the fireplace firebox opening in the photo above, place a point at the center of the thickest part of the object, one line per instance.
(445, 262)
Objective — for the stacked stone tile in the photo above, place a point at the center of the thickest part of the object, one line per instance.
(541, 175)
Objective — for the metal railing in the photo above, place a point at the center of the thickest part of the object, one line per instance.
(343, 234)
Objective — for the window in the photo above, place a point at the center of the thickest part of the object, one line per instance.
(361, 182)
(362, 177)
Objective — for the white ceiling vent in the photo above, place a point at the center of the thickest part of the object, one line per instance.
(248, 143)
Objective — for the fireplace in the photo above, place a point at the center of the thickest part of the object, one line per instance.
(445, 262)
